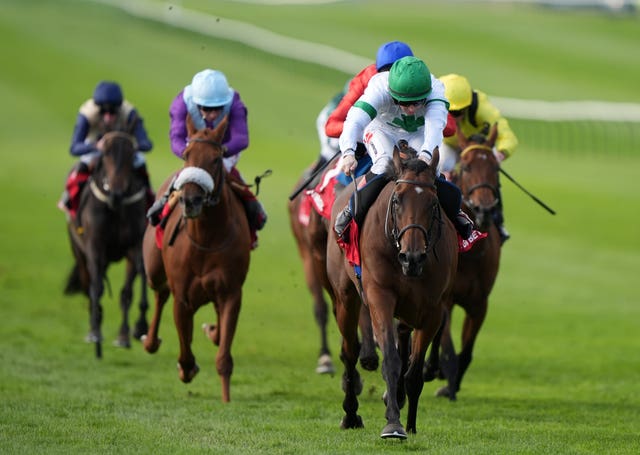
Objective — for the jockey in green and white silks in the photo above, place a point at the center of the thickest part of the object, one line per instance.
(407, 103)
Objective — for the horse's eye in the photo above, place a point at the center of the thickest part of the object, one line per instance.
(466, 168)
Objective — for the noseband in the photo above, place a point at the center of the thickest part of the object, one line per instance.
(391, 218)
(212, 196)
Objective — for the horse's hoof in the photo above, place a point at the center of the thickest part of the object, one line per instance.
(151, 348)
(325, 365)
(369, 363)
(349, 422)
(429, 375)
(444, 392)
(93, 338)
(393, 431)
(188, 376)
(122, 342)
(140, 330)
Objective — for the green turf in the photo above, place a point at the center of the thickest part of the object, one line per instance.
(556, 365)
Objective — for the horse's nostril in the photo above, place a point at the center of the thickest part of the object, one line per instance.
(402, 257)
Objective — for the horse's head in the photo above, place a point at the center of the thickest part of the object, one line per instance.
(200, 182)
(413, 213)
(478, 176)
(114, 176)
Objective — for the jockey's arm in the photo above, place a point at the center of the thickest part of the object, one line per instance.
(80, 131)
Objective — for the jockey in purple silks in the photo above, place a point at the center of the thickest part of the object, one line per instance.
(206, 101)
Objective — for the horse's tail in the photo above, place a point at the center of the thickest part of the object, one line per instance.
(74, 282)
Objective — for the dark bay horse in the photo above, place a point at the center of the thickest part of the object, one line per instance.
(409, 255)
(204, 256)
(311, 238)
(478, 267)
(109, 226)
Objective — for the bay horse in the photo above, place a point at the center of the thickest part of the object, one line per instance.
(204, 255)
(311, 237)
(109, 226)
(477, 268)
(409, 255)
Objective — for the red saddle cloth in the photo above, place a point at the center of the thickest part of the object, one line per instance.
(466, 244)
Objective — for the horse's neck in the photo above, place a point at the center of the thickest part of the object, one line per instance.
(218, 221)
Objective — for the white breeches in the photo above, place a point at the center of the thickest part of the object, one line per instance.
(380, 142)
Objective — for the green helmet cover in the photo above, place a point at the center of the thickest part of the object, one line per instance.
(409, 79)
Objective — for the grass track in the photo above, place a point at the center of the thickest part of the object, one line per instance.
(556, 365)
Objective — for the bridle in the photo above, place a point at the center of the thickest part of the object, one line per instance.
(391, 219)
(212, 197)
(467, 195)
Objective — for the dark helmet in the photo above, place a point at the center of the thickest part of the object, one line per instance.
(108, 93)
(389, 52)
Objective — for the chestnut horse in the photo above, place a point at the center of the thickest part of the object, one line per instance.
(311, 239)
(409, 255)
(478, 267)
(204, 256)
(109, 226)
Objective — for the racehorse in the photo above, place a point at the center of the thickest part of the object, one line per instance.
(109, 226)
(311, 238)
(409, 255)
(478, 267)
(204, 255)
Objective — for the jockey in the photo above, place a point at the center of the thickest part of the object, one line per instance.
(206, 101)
(328, 145)
(405, 103)
(106, 111)
(387, 54)
(475, 114)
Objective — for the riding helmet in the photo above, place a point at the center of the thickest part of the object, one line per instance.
(457, 90)
(210, 88)
(389, 52)
(409, 79)
(107, 92)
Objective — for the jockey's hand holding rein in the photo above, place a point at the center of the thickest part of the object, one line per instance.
(425, 155)
(349, 162)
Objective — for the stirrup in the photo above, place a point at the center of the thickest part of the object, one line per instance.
(464, 224)
(342, 221)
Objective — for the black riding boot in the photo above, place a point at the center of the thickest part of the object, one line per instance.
(155, 211)
(498, 219)
(366, 195)
(451, 200)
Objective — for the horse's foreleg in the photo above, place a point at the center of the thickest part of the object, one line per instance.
(448, 362)
(142, 326)
(432, 364)
(368, 354)
(470, 328)
(183, 317)
(227, 323)
(413, 379)
(151, 341)
(96, 288)
(126, 295)
(391, 368)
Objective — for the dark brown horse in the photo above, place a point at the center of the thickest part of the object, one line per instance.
(204, 256)
(409, 255)
(478, 267)
(311, 239)
(109, 227)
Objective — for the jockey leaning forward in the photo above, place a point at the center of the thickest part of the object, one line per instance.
(106, 111)
(206, 101)
(405, 103)
(474, 114)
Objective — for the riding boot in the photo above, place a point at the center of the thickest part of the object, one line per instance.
(451, 200)
(367, 194)
(155, 211)
(70, 199)
(498, 219)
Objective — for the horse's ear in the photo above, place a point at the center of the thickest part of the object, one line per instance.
(397, 160)
(435, 159)
(493, 135)
(462, 139)
(218, 132)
